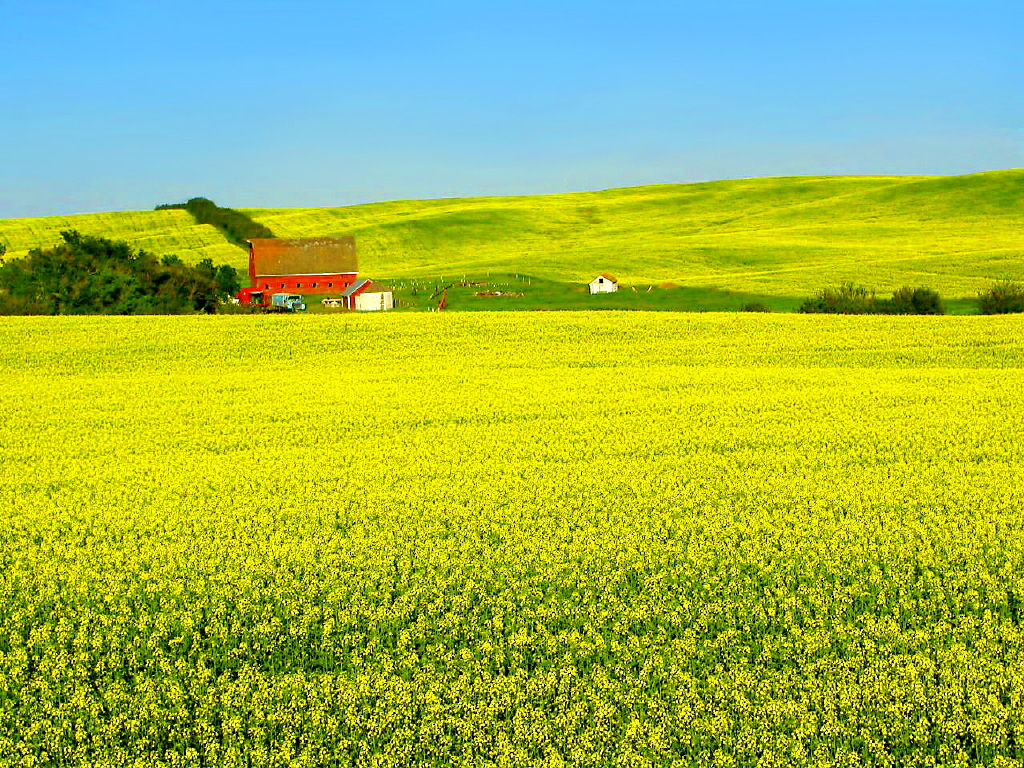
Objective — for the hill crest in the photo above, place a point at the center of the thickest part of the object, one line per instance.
(772, 236)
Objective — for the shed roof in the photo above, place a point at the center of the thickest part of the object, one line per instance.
(355, 287)
(606, 276)
(371, 286)
(303, 256)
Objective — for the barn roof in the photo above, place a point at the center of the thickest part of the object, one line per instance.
(606, 276)
(303, 256)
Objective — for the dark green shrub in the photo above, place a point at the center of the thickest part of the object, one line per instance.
(850, 299)
(755, 306)
(1004, 297)
(847, 299)
(915, 301)
(17, 305)
(94, 275)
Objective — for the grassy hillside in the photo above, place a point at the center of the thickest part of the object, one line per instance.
(159, 232)
(777, 238)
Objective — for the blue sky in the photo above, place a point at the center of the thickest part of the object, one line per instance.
(124, 105)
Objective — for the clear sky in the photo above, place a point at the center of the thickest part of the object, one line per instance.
(122, 105)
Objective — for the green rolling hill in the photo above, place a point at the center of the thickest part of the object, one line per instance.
(774, 237)
(157, 231)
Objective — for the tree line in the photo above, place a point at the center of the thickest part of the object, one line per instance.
(234, 225)
(94, 275)
(1005, 297)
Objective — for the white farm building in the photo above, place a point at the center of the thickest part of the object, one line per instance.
(604, 283)
(366, 296)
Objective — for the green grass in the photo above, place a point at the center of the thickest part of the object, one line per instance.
(775, 240)
(525, 292)
(766, 237)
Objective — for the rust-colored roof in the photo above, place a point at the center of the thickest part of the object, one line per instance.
(302, 256)
(606, 276)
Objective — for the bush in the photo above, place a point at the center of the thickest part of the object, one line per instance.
(755, 306)
(93, 275)
(1004, 297)
(18, 305)
(850, 299)
(847, 299)
(915, 301)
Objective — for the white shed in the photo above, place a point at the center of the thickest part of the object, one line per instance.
(604, 283)
(366, 296)
(374, 299)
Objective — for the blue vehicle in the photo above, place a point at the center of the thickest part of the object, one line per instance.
(286, 302)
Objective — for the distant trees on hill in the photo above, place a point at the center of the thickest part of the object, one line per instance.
(235, 225)
(94, 275)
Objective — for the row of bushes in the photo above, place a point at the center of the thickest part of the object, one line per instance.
(1004, 297)
(235, 225)
(94, 275)
(851, 299)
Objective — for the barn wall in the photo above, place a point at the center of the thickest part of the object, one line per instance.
(334, 283)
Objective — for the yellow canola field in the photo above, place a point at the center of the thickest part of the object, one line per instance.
(507, 539)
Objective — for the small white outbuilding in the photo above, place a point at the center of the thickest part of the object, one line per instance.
(367, 296)
(377, 298)
(604, 283)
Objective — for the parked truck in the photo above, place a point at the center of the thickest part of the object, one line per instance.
(287, 302)
(271, 302)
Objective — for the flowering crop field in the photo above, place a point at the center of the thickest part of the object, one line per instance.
(505, 539)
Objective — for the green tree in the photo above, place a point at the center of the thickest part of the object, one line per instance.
(234, 225)
(94, 275)
(847, 299)
(1005, 297)
(915, 301)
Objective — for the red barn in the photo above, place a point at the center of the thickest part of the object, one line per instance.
(302, 265)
